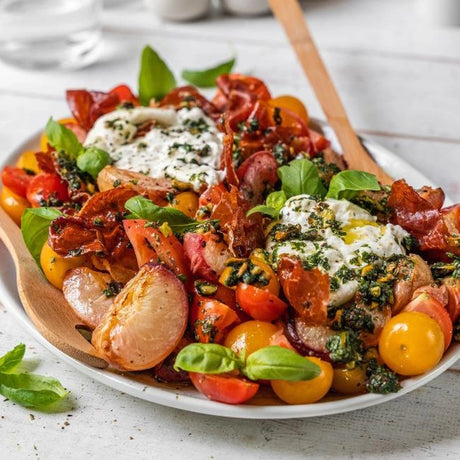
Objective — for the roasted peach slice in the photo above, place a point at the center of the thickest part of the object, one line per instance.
(145, 322)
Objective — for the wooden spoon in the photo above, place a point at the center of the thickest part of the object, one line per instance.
(44, 304)
(290, 15)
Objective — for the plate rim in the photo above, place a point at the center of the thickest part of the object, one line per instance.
(199, 404)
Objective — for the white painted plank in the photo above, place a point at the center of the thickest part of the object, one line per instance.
(102, 421)
(380, 94)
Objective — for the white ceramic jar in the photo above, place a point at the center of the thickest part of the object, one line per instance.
(246, 7)
(179, 10)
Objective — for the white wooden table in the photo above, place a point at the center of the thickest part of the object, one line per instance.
(401, 85)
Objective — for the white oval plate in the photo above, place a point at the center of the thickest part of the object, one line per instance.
(186, 398)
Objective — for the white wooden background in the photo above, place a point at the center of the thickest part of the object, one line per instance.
(400, 82)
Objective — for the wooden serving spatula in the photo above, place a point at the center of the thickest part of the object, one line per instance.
(290, 15)
(44, 304)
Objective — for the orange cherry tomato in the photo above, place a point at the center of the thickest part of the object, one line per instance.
(47, 189)
(411, 343)
(293, 104)
(28, 161)
(250, 336)
(306, 391)
(16, 179)
(13, 204)
(425, 303)
(224, 388)
(349, 381)
(210, 319)
(259, 304)
(187, 202)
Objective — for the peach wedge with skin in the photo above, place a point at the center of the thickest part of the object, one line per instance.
(145, 322)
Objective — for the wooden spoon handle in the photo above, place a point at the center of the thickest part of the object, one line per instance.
(290, 15)
(44, 304)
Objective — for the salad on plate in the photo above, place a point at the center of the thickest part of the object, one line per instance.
(222, 243)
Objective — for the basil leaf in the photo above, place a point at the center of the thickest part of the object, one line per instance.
(301, 177)
(155, 78)
(93, 161)
(12, 359)
(268, 210)
(207, 78)
(35, 224)
(276, 200)
(346, 184)
(142, 208)
(278, 363)
(62, 138)
(31, 390)
(207, 358)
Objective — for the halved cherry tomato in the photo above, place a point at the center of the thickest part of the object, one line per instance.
(13, 204)
(305, 391)
(426, 303)
(47, 189)
(16, 179)
(150, 243)
(224, 388)
(28, 161)
(210, 319)
(250, 336)
(258, 303)
(453, 290)
(293, 104)
(411, 343)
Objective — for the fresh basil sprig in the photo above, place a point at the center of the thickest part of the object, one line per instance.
(29, 390)
(35, 224)
(155, 78)
(273, 204)
(346, 184)
(207, 358)
(268, 363)
(207, 78)
(90, 159)
(142, 208)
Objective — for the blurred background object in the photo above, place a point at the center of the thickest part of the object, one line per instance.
(439, 12)
(49, 33)
(179, 10)
(246, 7)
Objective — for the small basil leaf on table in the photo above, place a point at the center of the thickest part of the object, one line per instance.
(207, 358)
(93, 161)
(301, 177)
(278, 363)
(142, 208)
(346, 184)
(207, 78)
(31, 390)
(35, 224)
(62, 138)
(12, 359)
(155, 78)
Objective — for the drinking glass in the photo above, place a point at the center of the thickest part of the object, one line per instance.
(50, 33)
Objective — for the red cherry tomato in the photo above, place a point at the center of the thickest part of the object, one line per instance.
(150, 244)
(16, 179)
(425, 303)
(47, 189)
(258, 303)
(224, 388)
(453, 290)
(210, 319)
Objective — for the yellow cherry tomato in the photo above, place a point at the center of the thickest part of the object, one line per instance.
(28, 161)
(306, 391)
(55, 266)
(187, 202)
(411, 343)
(13, 204)
(293, 104)
(44, 139)
(248, 337)
(349, 381)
